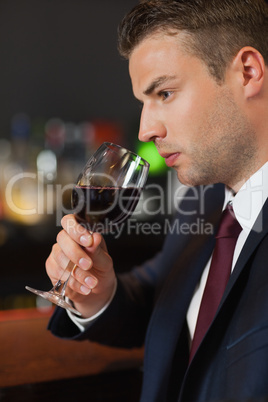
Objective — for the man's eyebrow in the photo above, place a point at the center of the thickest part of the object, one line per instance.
(156, 83)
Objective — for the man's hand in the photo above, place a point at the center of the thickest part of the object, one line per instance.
(93, 280)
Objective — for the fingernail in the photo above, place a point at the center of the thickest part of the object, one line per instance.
(86, 240)
(91, 282)
(85, 290)
(84, 263)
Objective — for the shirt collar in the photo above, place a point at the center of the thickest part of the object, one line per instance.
(249, 200)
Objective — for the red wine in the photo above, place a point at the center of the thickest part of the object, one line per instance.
(99, 208)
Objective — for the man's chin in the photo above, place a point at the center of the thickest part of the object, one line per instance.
(184, 178)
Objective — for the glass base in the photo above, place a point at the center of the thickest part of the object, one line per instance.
(54, 298)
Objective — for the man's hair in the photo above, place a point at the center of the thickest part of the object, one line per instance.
(215, 30)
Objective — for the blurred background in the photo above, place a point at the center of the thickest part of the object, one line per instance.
(64, 90)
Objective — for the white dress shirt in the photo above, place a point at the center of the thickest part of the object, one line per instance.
(247, 204)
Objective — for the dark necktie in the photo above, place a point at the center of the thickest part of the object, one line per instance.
(219, 273)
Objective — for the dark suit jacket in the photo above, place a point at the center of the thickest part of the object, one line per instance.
(151, 304)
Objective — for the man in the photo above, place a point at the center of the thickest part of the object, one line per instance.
(199, 68)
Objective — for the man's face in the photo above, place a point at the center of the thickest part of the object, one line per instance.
(194, 122)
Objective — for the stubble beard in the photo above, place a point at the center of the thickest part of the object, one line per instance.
(228, 152)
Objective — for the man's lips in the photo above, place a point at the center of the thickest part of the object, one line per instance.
(170, 158)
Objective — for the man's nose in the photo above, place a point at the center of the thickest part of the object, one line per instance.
(151, 127)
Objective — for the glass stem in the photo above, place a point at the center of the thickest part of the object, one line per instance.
(60, 286)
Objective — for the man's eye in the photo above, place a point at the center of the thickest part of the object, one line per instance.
(165, 94)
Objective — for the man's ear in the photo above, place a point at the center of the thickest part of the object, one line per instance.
(250, 65)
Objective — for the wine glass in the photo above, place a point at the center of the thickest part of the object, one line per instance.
(105, 195)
